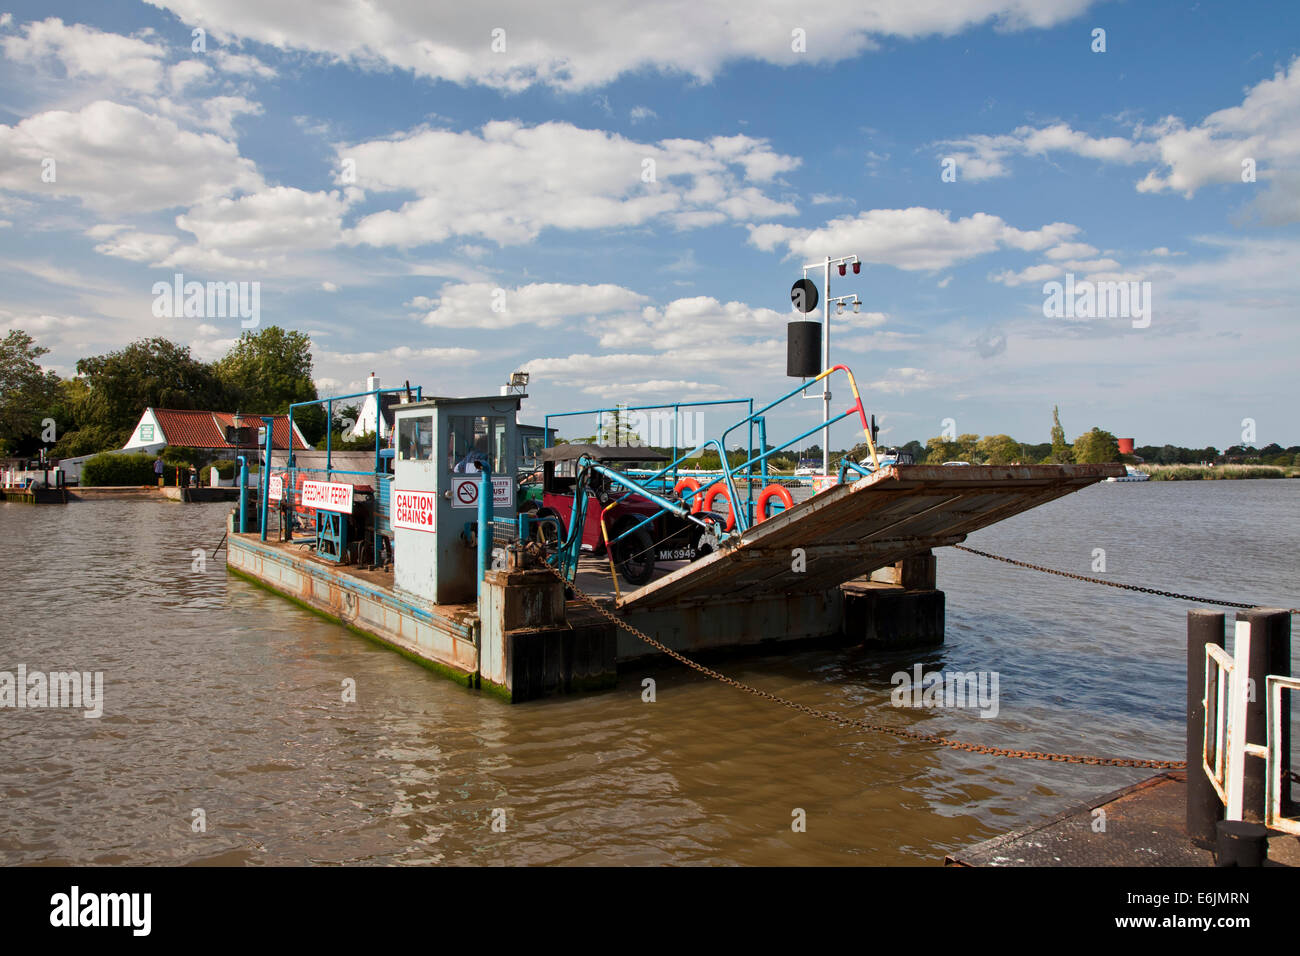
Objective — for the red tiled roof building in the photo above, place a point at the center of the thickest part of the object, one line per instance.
(207, 430)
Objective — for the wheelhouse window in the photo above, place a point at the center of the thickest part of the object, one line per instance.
(474, 441)
(415, 438)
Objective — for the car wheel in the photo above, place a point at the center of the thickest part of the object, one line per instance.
(634, 557)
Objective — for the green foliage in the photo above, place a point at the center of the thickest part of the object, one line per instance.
(998, 450)
(339, 443)
(107, 469)
(939, 449)
(268, 370)
(1061, 453)
(1210, 473)
(1096, 447)
(148, 372)
(86, 440)
(26, 392)
(225, 467)
(174, 455)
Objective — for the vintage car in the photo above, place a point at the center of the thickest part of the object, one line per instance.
(669, 537)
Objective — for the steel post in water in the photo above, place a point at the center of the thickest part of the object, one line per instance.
(1204, 810)
(243, 495)
(1270, 653)
(1241, 844)
(484, 524)
(265, 482)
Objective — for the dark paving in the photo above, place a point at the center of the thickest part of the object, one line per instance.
(1143, 827)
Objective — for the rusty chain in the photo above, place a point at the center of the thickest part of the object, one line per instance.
(1110, 584)
(842, 721)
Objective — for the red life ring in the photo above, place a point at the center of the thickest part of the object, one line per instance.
(712, 494)
(690, 484)
(766, 495)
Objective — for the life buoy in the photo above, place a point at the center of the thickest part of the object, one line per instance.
(766, 495)
(712, 494)
(690, 484)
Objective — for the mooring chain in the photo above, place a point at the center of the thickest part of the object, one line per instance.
(1110, 584)
(842, 721)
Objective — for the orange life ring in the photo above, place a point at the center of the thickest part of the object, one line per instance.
(690, 484)
(766, 495)
(712, 494)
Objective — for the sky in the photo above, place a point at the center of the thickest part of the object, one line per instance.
(617, 198)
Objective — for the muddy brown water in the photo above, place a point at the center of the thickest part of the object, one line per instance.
(224, 698)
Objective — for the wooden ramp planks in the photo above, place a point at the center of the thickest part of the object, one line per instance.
(852, 529)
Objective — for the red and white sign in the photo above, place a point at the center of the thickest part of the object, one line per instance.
(327, 496)
(464, 492)
(277, 488)
(415, 510)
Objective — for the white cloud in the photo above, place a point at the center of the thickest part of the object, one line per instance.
(1265, 127)
(547, 304)
(654, 387)
(116, 158)
(980, 157)
(681, 323)
(507, 182)
(186, 72)
(1262, 129)
(148, 247)
(88, 53)
(217, 113)
(575, 45)
(277, 218)
(899, 381)
(242, 64)
(1070, 250)
(399, 355)
(915, 239)
(1091, 269)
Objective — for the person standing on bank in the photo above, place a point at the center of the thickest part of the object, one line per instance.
(158, 470)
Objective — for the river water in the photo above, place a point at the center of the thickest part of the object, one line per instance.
(223, 698)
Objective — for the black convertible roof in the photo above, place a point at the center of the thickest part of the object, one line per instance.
(602, 453)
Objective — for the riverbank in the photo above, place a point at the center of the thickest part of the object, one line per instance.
(1217, 472)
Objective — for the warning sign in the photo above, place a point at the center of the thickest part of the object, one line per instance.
(277, 488)
(464, 492)
(416, 510)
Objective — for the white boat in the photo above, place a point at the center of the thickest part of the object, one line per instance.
(1132, 475)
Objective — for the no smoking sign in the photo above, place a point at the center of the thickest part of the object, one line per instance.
(464, 492)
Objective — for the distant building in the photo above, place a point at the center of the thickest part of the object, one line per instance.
(186, 428)
(372, 413)
(160, 427)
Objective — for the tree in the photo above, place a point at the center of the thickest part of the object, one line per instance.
(938, 450)
(148, 372)
(1061, 453)
(999, 449)
(267, 371)
(26, 391)
(1096, 447)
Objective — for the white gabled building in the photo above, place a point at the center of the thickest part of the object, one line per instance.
(373, 412)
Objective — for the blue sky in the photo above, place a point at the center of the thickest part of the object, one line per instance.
(388, 178)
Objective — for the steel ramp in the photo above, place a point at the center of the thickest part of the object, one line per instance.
(853, 529)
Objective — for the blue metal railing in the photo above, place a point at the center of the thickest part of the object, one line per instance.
(676, 407)
(379, 474)
(571, 546)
